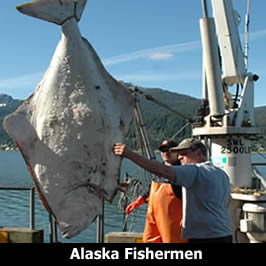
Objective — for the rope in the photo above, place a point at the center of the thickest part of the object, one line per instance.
(180, 130)
(151, 98)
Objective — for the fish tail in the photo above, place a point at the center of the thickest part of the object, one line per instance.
(56, 11)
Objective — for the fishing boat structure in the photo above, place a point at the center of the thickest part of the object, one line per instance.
(225, 120)
(226, 123)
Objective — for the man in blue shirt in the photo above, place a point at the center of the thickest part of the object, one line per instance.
(206, 190)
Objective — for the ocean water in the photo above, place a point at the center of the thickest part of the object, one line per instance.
(14, 205)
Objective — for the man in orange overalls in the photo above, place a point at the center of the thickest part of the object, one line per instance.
(164, 214)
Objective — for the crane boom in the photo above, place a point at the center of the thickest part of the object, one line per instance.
(227, 21)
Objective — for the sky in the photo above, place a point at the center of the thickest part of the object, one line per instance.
(151, 43)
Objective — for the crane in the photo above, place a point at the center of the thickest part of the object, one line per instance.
(228, 127)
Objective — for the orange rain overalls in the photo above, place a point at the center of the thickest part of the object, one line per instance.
(164, 216)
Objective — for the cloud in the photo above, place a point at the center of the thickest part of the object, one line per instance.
(253, 36)
(154, 76)
(20, 86)
(160, 56)
(257, 34)
(168, 51)
(158, 53)
(22, 81)
(26, 83)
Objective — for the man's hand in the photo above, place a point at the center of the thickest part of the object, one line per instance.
(120, 149)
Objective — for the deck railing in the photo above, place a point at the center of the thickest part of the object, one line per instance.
(31, 202)
(52, 224)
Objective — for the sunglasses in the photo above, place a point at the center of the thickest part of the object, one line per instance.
(165, 150)
(186, 152)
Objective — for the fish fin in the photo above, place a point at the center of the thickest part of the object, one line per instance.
(56, 11)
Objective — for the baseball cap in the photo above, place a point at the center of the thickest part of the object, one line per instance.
(192, 144)
(166, 145)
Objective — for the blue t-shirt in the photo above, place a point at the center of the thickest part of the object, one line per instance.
(206, 195)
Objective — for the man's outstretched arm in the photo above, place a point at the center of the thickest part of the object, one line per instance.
(154, 167)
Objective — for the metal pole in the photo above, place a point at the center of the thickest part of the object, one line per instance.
(100, 226)
(144, 134)
(55, 231)
(51, 227)
(205, 9)
(247, 33)
(32, 208)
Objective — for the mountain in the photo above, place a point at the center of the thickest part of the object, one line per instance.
(5, 99)
(8, 102)
(160, 122)
(7, 106)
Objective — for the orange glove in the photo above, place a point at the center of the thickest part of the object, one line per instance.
(135, 204)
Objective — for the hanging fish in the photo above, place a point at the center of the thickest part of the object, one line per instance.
(65, 130)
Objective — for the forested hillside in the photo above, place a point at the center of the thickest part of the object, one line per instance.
(160, 122)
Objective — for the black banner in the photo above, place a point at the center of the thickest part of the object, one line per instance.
(176, 254)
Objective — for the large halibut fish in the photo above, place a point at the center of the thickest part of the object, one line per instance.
(65, 130)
